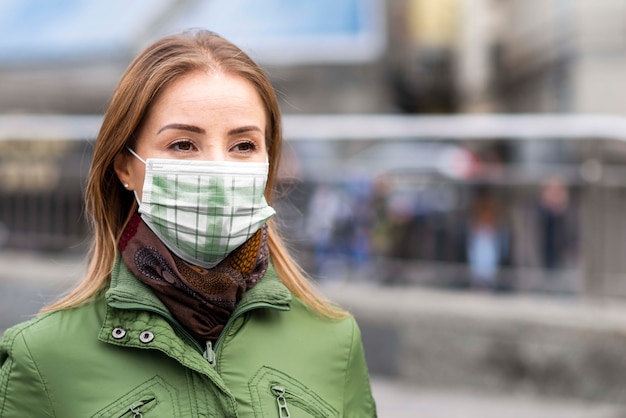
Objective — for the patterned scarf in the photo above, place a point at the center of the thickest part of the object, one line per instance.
(201, 299)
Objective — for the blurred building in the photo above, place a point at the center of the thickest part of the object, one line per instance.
(348, 56)
(553, 57)
(66, 57)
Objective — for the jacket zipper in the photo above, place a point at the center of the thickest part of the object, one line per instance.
(135, 408)
(209, 354)
(231, 320)
(281, 401)
(210, 350)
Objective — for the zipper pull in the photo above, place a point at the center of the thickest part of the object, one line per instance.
(283, 411)
(209, 354)
(134, 408)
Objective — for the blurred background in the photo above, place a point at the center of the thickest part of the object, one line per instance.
(453, 174)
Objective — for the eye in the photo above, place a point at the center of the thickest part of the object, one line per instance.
(245, 147)
(183, 146)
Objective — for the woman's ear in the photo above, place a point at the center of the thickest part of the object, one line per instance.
(121, 165)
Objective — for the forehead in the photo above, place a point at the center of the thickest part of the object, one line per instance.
(209, 90)
(210, 100)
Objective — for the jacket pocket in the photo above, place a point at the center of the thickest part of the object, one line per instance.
(276, 394)
(152, 399)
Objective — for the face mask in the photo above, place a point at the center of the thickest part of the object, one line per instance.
(203, 210)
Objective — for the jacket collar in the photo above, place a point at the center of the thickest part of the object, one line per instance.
(130, 318)
(126, 292)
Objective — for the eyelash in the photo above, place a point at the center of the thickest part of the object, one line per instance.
(252, 146)
(176, 144)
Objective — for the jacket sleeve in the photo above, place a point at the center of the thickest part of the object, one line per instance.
(358, 398)
(22, 390)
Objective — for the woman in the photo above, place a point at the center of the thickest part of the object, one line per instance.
(191, 306)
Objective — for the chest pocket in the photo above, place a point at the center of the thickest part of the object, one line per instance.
(275, 394)
(152, 399)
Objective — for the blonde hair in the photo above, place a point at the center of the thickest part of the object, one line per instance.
(110, 206)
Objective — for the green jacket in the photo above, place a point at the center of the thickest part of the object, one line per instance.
(123, 355)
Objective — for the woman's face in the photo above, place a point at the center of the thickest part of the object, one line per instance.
(200, 116)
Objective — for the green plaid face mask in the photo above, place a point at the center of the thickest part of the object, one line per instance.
(203, 210)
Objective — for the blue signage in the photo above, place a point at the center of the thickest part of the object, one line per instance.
(272, 31)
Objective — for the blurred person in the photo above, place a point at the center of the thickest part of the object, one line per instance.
(191, 305)
(359, 226)
(328, 218)
(401, 214)
(374, 228)
(4, 234)
(486, 242)
(556, 230)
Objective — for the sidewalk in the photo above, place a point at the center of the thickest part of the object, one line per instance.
(397, 400)
(565, 347)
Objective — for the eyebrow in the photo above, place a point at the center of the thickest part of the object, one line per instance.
(182, 127)
(198, 130)
(245, 129)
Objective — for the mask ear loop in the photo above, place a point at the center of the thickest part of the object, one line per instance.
(144, 162)
(137, 197)
(135, 154)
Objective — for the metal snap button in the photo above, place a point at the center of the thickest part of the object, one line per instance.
(118, 333)
(146, 336)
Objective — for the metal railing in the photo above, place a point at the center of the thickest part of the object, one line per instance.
(44, 163)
